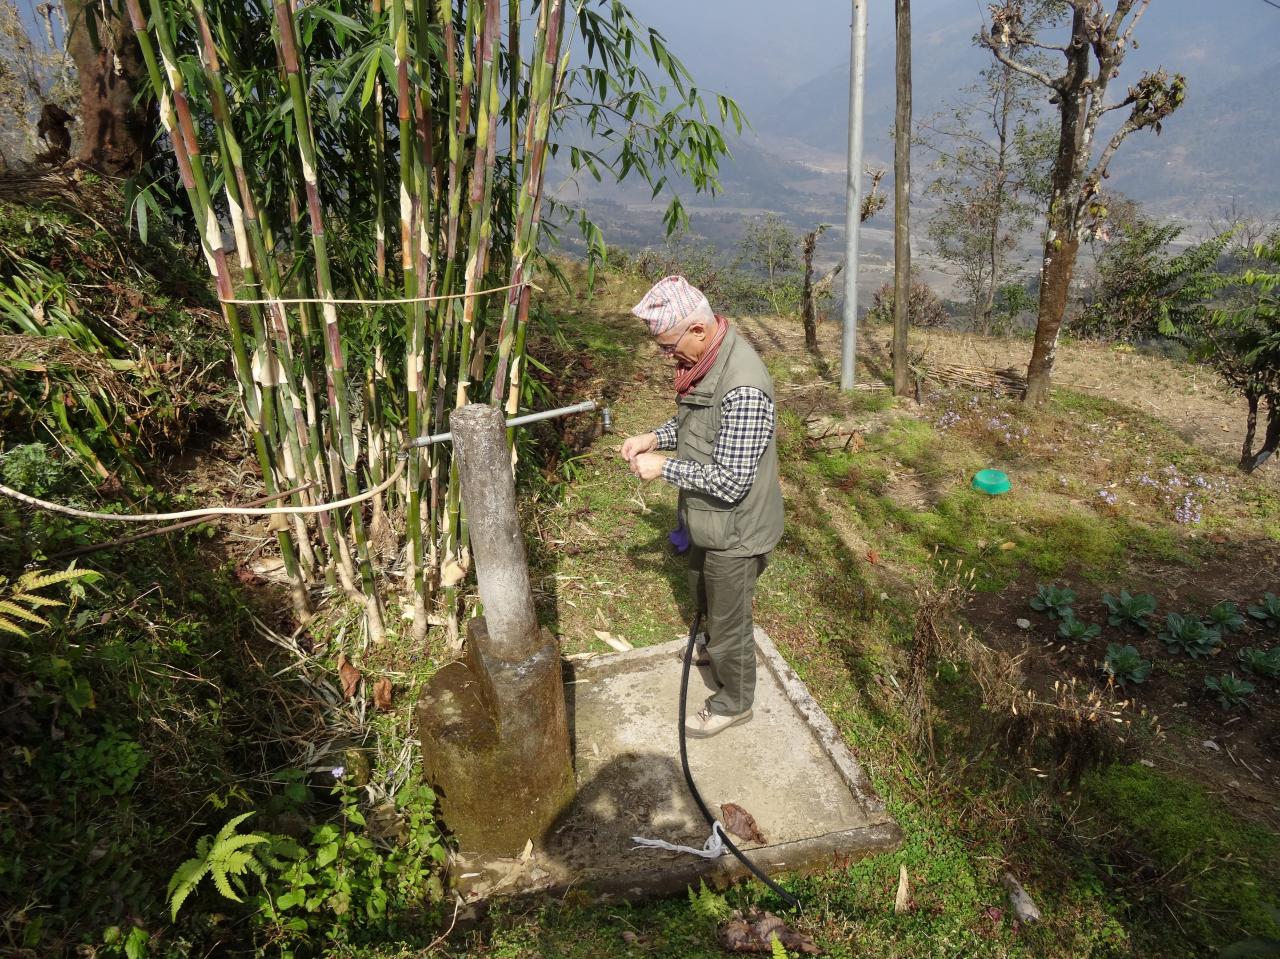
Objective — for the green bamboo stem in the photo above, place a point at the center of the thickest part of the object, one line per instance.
(336, 361)
(554, 65)
(175, 116)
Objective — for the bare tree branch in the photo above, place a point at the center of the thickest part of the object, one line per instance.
(1012, 63)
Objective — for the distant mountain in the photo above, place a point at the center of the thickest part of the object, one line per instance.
(1224, 141)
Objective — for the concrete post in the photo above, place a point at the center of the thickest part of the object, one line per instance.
(495, 737)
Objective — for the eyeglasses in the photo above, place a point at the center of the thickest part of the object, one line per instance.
(668, 349)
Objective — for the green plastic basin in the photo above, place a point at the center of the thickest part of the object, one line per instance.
(992, 482)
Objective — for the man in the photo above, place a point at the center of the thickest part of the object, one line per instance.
(726, 468)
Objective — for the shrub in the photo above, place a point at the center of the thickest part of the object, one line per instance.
(1186, 634)
(1267, 612)
(1130, 610)
(1054, 600)
(925, 309)
(1077, 631)
(1228, 690)
(1261, 662)
(1125, 665)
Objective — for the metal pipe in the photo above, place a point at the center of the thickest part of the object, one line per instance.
(853, 192)
(584, 407)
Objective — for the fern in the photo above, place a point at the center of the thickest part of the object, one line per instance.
(779, 950)
(20, 598)
(708, 904)
(224, 857)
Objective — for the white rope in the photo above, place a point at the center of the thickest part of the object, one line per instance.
(334, 301)
(210, 511)
(711, 849)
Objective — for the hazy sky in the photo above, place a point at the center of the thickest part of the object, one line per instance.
(758, 50)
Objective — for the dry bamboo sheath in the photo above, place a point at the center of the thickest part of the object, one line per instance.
(335, 371)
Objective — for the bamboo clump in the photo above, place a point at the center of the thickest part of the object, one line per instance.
(306, 130)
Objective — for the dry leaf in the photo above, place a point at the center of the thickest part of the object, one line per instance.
(873, 557)
(452, 574)
(902, 902)
(741, 823)
(755, 932)
(1008, 546)
(350, 676)
(382, 694)
(857, 441)
(617, 642)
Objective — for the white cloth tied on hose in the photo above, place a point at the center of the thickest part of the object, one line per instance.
(711, 849)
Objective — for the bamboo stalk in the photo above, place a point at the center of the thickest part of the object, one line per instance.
(176, 119)
(343, 441)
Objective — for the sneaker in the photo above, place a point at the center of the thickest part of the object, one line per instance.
(706, 723)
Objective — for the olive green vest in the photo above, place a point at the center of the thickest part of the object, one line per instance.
(753, 525)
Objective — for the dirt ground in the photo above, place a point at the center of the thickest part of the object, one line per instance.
(1189, 399)
(1236, 754)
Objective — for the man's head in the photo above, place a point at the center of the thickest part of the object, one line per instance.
(679, 318)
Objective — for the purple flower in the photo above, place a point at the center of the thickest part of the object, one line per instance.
(338, 771)
(1189, 512)
(1108, 497)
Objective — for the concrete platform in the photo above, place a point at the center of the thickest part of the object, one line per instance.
(788, 767)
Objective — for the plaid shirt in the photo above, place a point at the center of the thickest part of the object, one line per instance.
(746, 426)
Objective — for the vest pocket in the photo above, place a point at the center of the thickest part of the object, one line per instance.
(711, 525)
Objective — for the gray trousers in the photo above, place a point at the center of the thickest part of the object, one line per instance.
(722, 588)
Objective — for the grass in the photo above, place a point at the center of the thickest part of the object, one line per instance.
(867, 528)
(1128, 862)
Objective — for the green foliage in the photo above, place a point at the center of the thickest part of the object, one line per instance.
(342, 884)
(1267, 612)
(1076, 630)
(1228, 690)
(133, 944)
(1054, 600)
(1255, 947)
(1225, 617)
(777, 949)
(98, 350)
(1261, 662)
(770, 249)
(1125, 665)
(1241, 340)
(20, 598)
(1224, 869)
(991, 158)
(1143, 288)
(226, 858)
(1187, 634)
(1130, 610)
(707, 904)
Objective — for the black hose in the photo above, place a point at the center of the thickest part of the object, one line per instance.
(791, 901)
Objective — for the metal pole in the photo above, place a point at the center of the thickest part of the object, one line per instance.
(853, 194)
(584, 407)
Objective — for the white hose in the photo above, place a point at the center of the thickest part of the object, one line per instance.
(209, 511)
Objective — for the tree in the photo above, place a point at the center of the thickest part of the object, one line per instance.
(992, 161)
(769, 246)
(812, 292)
(1096, 45)
(902, 197)
(1242, 342)
(116, 125)
(1140, 284)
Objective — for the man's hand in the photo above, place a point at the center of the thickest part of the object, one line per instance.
(633, 446)
(648, 466)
